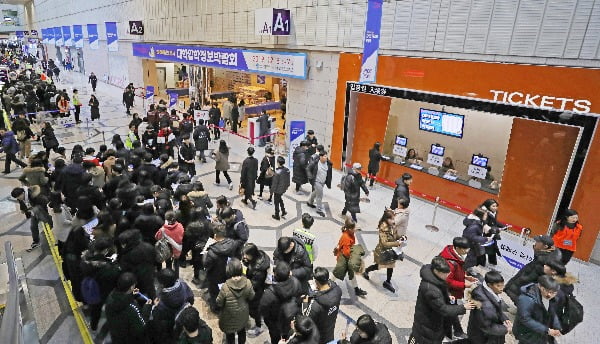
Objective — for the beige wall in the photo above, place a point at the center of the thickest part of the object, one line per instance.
(483, 133)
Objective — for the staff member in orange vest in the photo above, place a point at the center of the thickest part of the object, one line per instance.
(565, 234)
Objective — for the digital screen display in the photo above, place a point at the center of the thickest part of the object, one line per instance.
(479, 160)
(441, 122)
(437, 150)
(401, 141)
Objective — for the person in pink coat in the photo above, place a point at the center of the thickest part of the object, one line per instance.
(173, 231)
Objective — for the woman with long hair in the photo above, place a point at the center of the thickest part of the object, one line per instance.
(94, 107)
(388, 239)
(221, 157)
(49, 140)
(565, 233)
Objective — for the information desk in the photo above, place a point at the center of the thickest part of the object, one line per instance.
(258, 108)
(224, 94)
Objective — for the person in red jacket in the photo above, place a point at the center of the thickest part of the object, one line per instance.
(457, 280)
(173, 231)
(565, 234)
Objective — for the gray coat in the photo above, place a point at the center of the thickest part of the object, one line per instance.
(221, 161)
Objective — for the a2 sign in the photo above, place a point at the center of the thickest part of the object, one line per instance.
(136, 27)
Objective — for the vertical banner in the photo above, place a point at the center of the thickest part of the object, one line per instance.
(92, 30)
(20, 34)
(297, 129)
(58, 37)
(150, 94)
(112, 39)
(173, 100)
(50, 33)
(66, 32)
(43, 36)
(78, 36)
(368, 69)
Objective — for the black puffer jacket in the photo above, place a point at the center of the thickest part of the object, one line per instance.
(300, 163)
(401, 191)
(148, 224)
(280, 181)
(527, 275)
(352, 193)
(249, 174)
(474, 232)
(138, 257)
(382, 336)
(280, 303)
(533, 319)
(299, 263)
(486, 322)
(126, 322)
(215, 259)
(172, 300)
(432, 308)
(257, 273)
(102, 269)
(323, 309)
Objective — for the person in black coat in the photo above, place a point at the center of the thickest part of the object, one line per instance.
(323, 306)
(148, 223)
(369, 332)
(187, 153)
(305, 331)
(128, 99)
(264, 122)
(536, 321)
(201, 138)
(93, 193)
(433, 304)
(215, 262)
(475, 230)
(257, 264)
(300, 157)
(374, 158)
(110, 188)
(402, 190)
(214, 114)
(248, 177)
(487, 322)
(93, 79)
(530, 275)
(291, 250)
(197, 233)
(353, 183)
(77, 242)
(138, 257)
(312, 142)
(279, 185)
(281, 302)
(268, 161)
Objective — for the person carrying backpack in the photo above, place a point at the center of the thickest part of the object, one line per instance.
(236, 228)
(195, 330)
(100, 276)
(351, 185)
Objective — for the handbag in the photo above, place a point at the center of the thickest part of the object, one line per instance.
(163, 249)
(388, 255)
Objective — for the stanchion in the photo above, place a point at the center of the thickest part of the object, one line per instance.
(103, 138)
(432, 227)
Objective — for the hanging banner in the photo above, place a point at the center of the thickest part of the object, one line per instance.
(112, 39)
(173, 100)
(278, 63)
(43, 35)
(368, 70)
(92, 30)
(150, 94)
(515, 250)
(66, 32)
(50, 34)
(33, 33)
(58, 37)
(297, 129)
(20, 34)
(78, 36)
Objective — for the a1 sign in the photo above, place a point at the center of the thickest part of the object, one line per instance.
(272, 21)
(136, 27)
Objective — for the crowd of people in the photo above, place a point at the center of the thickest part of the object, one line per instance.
(129, 216)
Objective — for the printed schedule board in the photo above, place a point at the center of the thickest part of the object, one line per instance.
(441, 122)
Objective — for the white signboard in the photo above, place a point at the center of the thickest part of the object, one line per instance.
(288, 64)
(477, 171)
(515, 250)
(201, 114)
(435, 160)
(399, 151)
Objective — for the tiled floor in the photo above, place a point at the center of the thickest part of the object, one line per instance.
(395, 310)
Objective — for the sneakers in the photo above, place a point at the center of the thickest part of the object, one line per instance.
(269, 201)
(276, 217)
(254, 332)
(320, 212)
(283, 213)
(230, 186)
(311, 205)
(33, 246)
(366, 275)
(253, 204)
(388, 285)
(359, 292)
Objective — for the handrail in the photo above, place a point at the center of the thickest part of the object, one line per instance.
(11, 330)
(81, 324)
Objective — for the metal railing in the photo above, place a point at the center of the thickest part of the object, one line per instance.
(11, 330)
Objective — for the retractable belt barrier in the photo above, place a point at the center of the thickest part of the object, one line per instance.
(433, 199)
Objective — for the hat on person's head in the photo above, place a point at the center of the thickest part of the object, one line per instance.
(544, 239)
(357, 166)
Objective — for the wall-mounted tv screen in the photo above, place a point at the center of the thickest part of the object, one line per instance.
(401, 141)
(440, 122)
(437, 150)
(479, 160)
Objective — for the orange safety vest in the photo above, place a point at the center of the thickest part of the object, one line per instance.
(566, 238)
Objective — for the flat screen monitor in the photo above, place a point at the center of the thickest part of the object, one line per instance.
(440, 122)
(479, 160)
(401, 141)
(437, 150)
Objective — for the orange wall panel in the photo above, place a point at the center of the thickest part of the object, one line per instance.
(371, 120)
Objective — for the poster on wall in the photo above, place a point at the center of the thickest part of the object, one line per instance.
(297, 129)
(58, 37)
(92, 30)
(66, 31)
(112, 39)
(368, 70)
(78, 36)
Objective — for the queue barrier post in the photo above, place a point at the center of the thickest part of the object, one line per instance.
(432, 227)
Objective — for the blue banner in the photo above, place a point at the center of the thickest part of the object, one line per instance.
(112, 38)
(297, 129)
(66, 32)
(173, 99)
(368, 69)
(58, 37)
(78, 36)
(50, 34)
(43, 35)
(20, 34)
(149, 92)
(92, 30)
(284, 64)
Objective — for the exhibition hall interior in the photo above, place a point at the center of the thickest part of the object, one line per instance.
(299, 171)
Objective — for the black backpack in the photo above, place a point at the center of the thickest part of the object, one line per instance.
(571, 314)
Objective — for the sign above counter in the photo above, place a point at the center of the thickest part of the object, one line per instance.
(277, 63)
